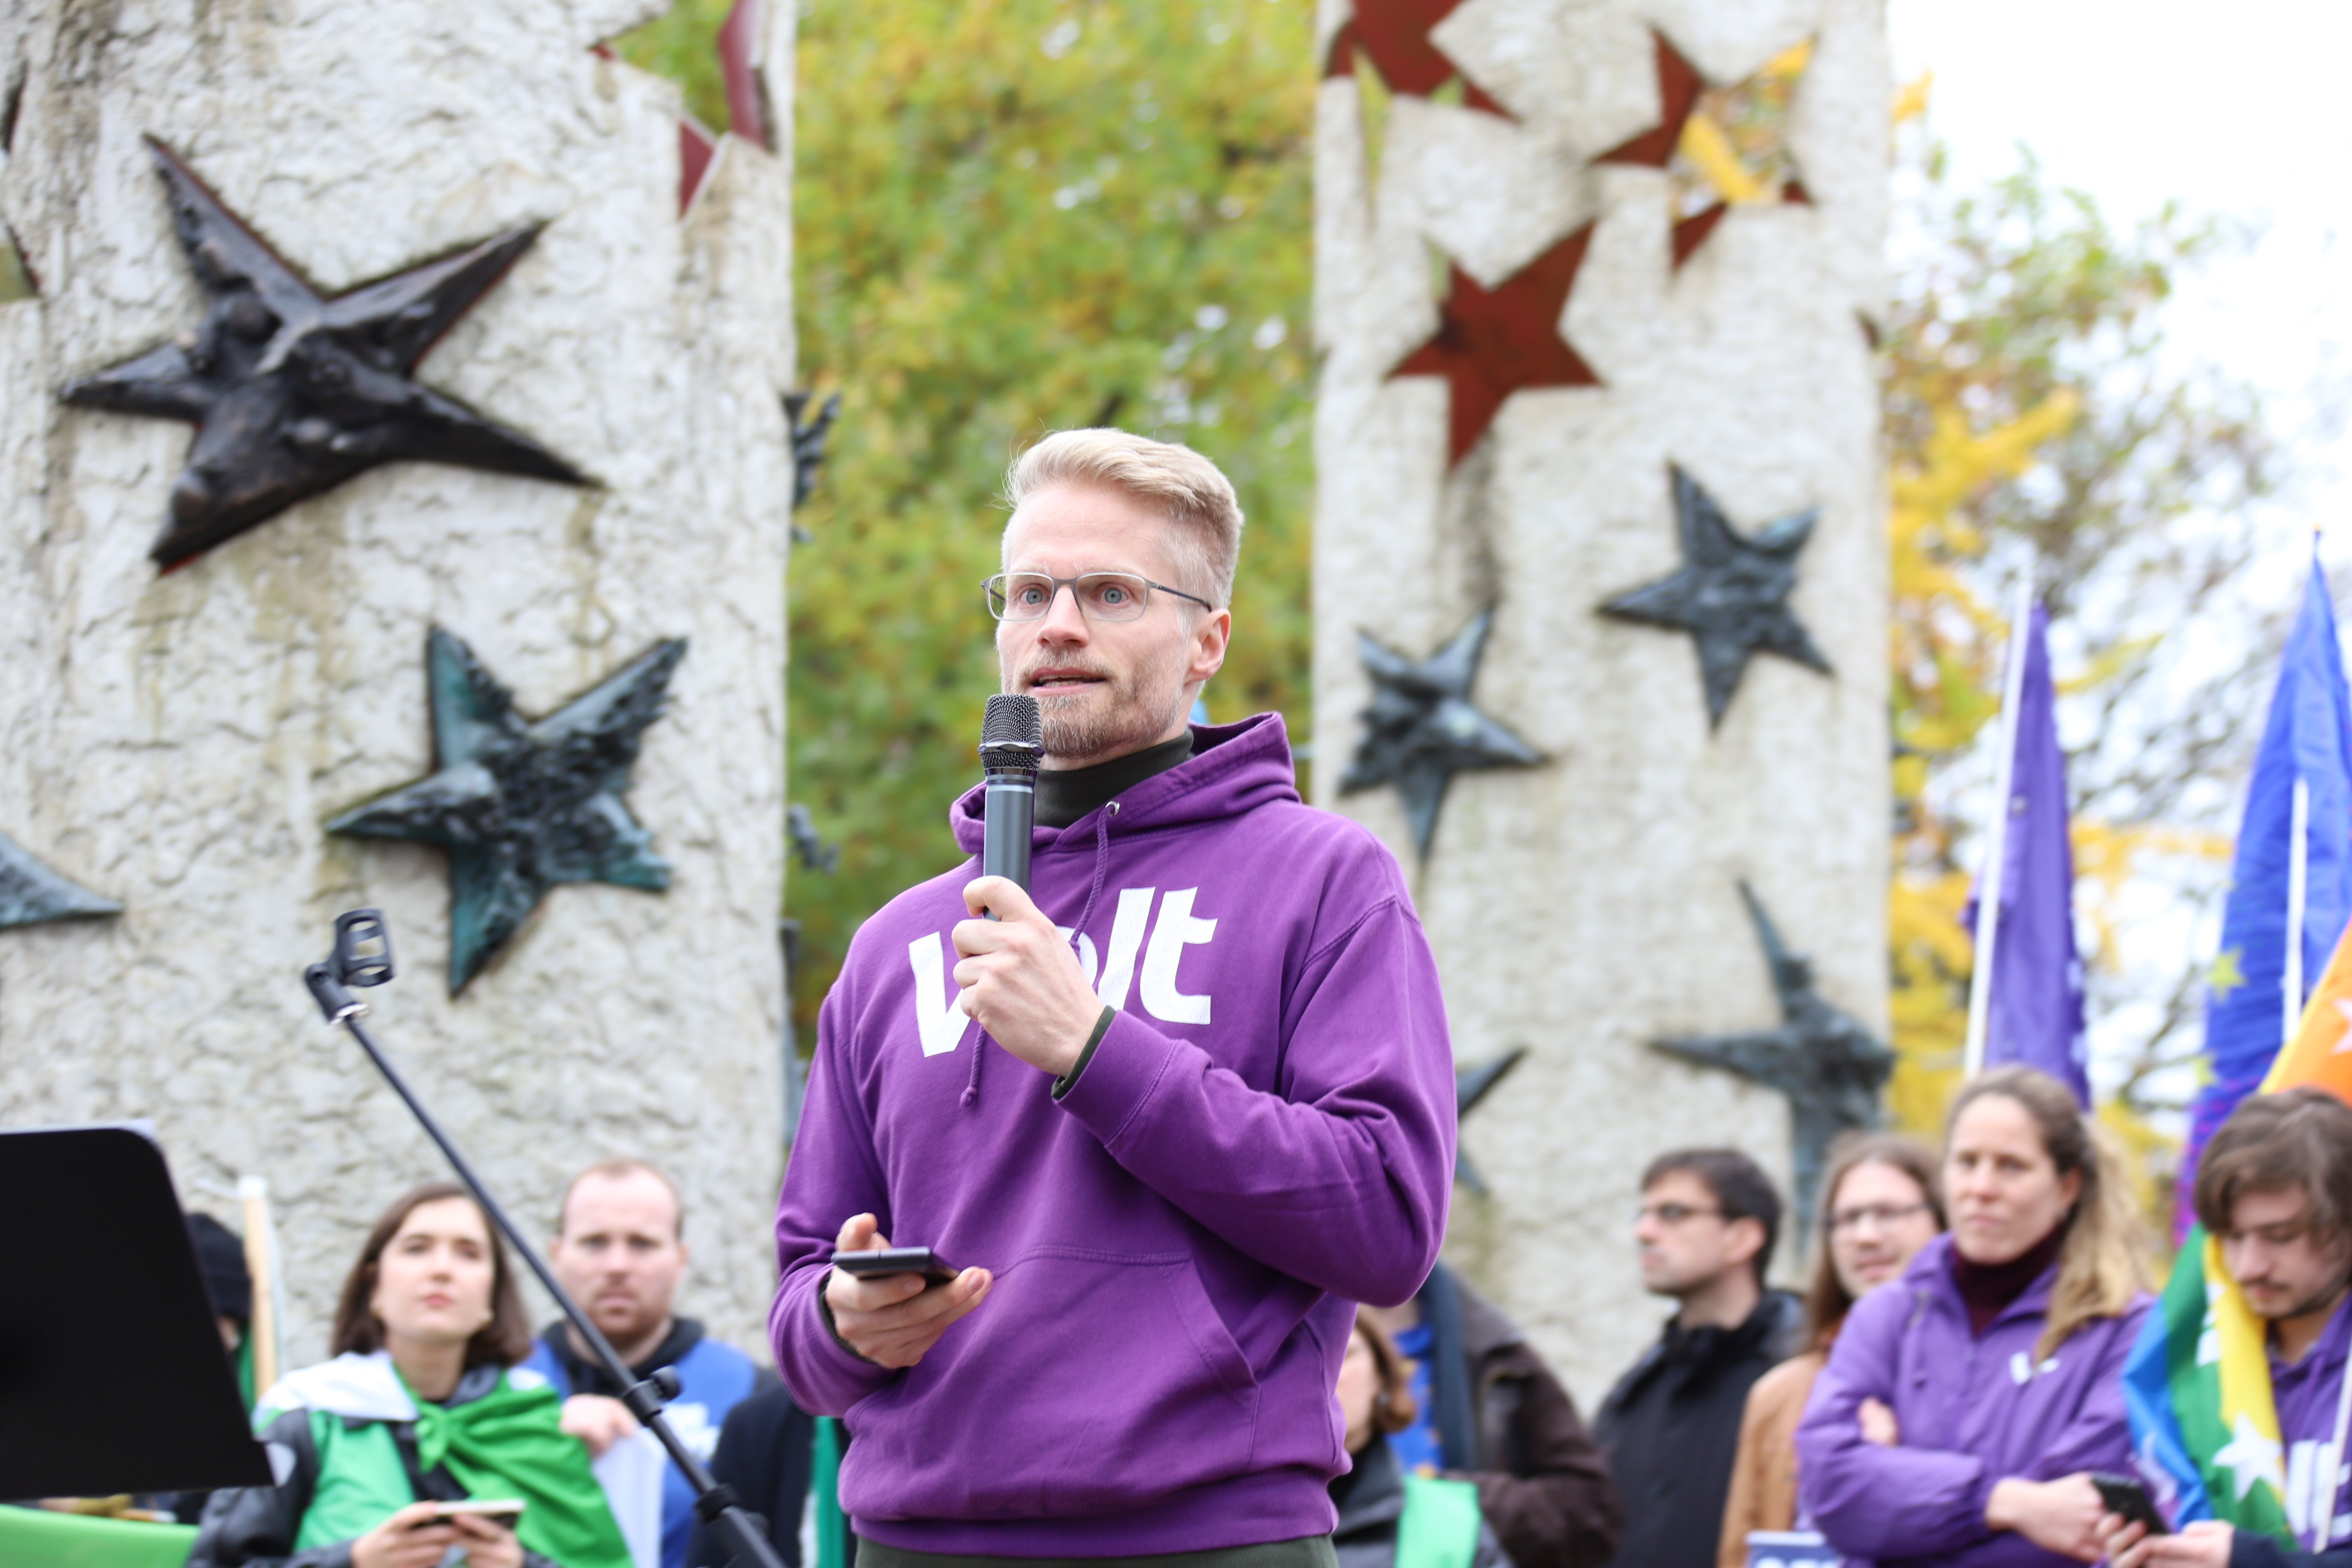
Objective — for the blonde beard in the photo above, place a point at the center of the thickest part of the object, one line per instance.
(1127, 723)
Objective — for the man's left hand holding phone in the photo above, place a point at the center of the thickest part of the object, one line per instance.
(892, 1320)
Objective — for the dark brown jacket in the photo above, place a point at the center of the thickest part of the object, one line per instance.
(1541, 1482)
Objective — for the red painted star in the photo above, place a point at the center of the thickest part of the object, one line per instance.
(1679, 85)
(1680, 91)
(1395, 35)
(1490, 345)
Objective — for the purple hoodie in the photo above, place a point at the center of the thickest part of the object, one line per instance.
(1971, 1411)
(2307, 1392)
(1264, 1136)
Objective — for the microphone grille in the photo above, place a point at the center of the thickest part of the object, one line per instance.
(1013, 719)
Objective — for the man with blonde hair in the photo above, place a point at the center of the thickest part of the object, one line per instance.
(1208, 1107)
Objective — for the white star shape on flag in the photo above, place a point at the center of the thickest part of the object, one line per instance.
(2250, 1456)
(2344, 1040)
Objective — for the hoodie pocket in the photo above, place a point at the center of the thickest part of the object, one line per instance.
(1087, 1383)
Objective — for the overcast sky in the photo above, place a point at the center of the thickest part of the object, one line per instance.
(2233, 111)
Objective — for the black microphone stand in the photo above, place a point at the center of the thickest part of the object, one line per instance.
(362, 956)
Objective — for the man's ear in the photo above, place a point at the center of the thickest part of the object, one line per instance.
(1209, 642)
(1744, 1238)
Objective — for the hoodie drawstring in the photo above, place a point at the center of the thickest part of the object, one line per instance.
(1102, 867)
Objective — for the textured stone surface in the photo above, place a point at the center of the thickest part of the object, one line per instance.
(1589, 906)
(178, 741)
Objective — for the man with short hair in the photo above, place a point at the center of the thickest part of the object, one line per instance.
(2275, 1189)
(1707, 1226)
(620, 1251)
(1209, 1105)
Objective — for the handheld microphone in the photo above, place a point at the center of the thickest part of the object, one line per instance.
(1012, 740)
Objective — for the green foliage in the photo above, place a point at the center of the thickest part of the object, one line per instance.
(682, 44)
(1013, 216)
(2037, 424)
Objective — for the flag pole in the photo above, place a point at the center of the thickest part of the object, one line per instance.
(2298, 872)
(1990, 880)
(262, 1265)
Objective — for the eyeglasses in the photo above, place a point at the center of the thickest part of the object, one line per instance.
(1883, 1216)
(1670, 1215)
(1101, 596)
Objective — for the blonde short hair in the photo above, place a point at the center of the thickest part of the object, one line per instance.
(1198, 499)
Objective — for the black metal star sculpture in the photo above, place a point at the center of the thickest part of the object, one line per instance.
(1472, 1085)
(292, 392)
(1830, 1067)
(1731, 594)
(31, 894)
(520, 805)
(1420, 729)
(808, 440)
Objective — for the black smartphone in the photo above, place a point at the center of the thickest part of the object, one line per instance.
(887, 1261)
(2124, 1495)
(504, 1512)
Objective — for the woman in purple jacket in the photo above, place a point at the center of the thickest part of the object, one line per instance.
(1964, 1403)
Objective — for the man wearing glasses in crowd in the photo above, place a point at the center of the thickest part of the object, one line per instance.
(1707, 1226)
(1209, 1106)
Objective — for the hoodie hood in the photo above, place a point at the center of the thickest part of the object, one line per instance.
(1263, 1137)
(1233, 768)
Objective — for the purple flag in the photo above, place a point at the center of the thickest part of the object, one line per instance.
(2033, 1017)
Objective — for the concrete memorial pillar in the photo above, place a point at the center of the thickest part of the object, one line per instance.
(1601, 584)
(464, 598)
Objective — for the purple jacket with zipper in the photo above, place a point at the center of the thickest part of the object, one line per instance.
(1971, 1411)
(1264, 1136)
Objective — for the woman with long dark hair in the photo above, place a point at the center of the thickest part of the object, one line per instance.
(418, 1409)
(1880, 1203)
(1964, 1407)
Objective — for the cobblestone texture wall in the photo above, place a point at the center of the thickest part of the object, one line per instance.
(1587, 906)
(177, 741)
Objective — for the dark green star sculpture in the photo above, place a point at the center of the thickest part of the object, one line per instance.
(31, 894)
(1472, 1085)
(1731, 594)
(520, 805)
(1829, 1066)
(292, 392)
(1420, 729)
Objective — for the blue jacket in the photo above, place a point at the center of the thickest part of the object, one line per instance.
(713, 1378)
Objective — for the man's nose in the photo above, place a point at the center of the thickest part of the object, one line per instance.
(1063, 622)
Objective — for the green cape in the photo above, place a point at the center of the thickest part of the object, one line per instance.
(507, 1444)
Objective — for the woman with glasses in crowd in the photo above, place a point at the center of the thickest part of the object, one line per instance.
(1964, 1407)
(1880, 1205)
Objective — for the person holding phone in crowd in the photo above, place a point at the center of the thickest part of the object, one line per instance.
(1964, 1407)
(419, 1411)
(1880, 1203)
(2275, 1189)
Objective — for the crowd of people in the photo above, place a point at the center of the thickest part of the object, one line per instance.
(1203, 1315)
(1942, 1392)
(438, 1393)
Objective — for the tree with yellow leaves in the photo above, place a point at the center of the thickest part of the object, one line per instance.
(2035, 427)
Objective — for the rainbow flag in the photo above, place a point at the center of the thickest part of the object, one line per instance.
(2198, 1383)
